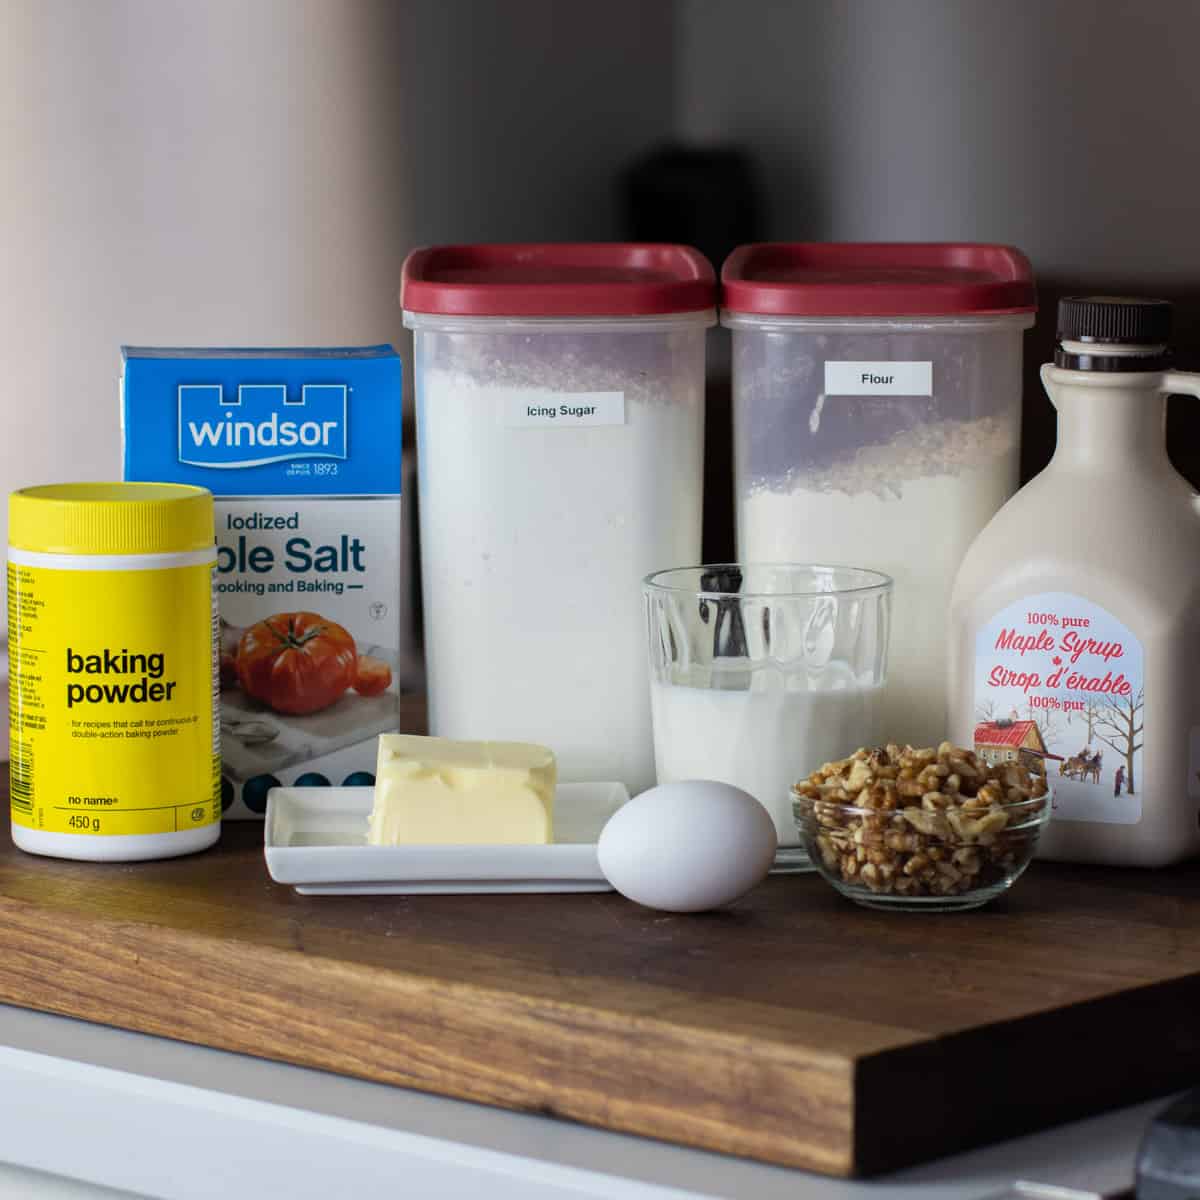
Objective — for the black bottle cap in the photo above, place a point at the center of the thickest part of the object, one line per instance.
(1122, 319)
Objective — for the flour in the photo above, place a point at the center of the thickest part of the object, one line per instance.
(536, 534)
(909, 508)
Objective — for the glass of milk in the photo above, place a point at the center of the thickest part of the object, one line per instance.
(762, 672)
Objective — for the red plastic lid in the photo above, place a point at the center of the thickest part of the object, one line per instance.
(877, 279)
(567, 279)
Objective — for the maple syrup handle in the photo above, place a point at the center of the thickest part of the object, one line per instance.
(1046, 374)
(1182, 383)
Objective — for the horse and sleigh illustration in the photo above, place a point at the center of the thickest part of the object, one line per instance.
(1083, 766)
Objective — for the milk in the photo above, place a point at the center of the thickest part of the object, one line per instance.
(761, 739)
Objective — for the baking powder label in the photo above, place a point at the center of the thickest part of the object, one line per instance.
(1059, 680)
(521, 408)
(879, 379)
(112, 723)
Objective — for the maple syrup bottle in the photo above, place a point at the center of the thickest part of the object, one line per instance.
(1075, 616)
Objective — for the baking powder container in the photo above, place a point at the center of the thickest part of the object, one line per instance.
(560, 432)
(877, 422)
(115, 738)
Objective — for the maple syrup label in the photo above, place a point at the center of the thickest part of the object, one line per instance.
(1058, 681)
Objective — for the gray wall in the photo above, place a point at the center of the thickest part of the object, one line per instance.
(1068, 127)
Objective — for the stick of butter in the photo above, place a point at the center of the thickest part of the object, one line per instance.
(435, 791)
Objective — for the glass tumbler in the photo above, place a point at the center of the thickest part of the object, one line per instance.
(762, 672)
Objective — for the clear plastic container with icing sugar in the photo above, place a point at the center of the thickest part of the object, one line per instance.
(877, 418)
(1075, 621)
(560, 430)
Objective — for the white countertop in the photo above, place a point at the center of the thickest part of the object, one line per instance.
(154, 1117)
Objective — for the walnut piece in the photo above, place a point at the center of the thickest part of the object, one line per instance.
(921, 822)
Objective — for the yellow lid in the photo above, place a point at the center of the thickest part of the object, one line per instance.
(111, 518)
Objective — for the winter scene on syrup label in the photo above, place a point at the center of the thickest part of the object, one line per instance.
(1059, 684)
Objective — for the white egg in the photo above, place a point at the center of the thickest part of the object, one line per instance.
(688, 846)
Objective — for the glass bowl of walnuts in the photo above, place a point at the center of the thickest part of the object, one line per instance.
(931, 829)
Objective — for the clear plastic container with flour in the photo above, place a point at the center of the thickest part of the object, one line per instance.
(877, 414)
(560, 431)
(760, 673)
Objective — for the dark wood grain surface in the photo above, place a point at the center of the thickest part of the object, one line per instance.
(792, 1027)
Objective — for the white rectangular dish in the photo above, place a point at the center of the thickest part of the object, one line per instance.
(316, 840)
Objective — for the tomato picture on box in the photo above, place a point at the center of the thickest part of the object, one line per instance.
(299, 664)
(301, 449)
(296, 662)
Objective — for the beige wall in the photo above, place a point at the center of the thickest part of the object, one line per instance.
(185, 173)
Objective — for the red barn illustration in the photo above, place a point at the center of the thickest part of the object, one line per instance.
(1010, 741)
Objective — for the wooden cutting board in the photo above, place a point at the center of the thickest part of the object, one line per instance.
(793, 1027)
